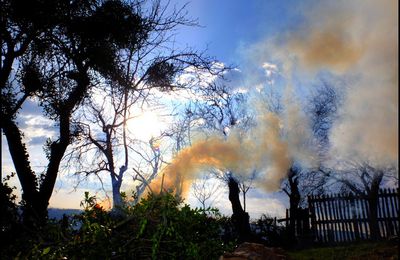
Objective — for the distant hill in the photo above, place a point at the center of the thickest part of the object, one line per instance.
(56, 213)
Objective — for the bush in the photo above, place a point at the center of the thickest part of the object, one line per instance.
(269, 233)
(159, 227)
(9, 218)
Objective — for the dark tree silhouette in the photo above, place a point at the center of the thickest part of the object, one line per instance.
(292, 191)
(240, 218)
(55, 51)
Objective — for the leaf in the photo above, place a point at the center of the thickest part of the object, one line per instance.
(46, 251)
(142, 227)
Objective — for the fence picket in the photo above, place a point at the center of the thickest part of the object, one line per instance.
(387, 215)
(392, 200)
(339, 218)
(364, 211)
(381, 222)
(325, 219)
(343, 217)
(336, 214)
(318, 221)
(348, 218)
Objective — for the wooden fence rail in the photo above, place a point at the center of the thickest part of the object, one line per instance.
(340, 218)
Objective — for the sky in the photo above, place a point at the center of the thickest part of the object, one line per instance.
(226, 26)
(273, 41)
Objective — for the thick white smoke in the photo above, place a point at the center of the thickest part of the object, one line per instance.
(356, 39)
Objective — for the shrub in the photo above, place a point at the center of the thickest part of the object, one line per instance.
(159, 227)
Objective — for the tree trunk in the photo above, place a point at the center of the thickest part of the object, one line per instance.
(294, 200)
(240, 218)
(244, 200)
(34, 208)
(373, 217)
(373, 201)
(116, 192)
(37, 198)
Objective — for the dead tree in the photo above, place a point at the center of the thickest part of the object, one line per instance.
(204, 191)
(240, 218)
(294, 200)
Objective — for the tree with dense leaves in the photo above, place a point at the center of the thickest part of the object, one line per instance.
(56, 52)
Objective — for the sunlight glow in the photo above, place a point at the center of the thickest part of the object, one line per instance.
(146, 125)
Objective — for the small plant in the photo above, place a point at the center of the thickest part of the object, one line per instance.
(268, 231)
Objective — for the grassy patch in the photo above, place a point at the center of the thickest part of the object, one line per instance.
(364, 250)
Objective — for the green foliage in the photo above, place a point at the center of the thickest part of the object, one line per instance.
(9, 215)
(88, 202)
(159, 227)
(161, 74)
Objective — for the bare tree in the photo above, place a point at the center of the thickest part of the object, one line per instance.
(240, 218)
(322, 108)
(204, 190)
(150, 67)
(147, 169)
(103, 135)
(221, 107)
(245, 184)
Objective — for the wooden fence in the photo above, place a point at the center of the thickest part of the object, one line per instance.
(341, 218)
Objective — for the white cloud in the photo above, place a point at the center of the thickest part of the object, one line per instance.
(270, 69)
(34, 126)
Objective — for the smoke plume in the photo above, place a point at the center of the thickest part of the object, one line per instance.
(364, 43)
(260, 149)
(356, 40)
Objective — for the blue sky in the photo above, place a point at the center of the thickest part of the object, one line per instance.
(343, 39)
(227, 26)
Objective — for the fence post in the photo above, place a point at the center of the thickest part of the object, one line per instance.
(287, 218)
(312, 216)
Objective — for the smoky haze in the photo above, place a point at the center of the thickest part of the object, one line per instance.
(356, 39)
(367, 128)
(261, 149)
